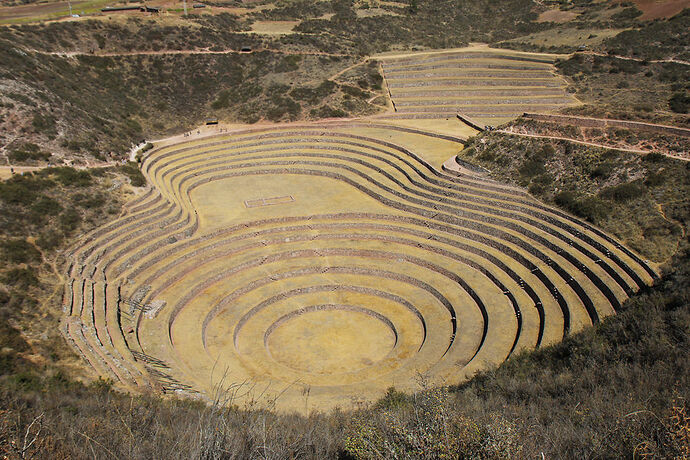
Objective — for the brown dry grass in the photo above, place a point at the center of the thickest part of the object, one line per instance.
(558, 16)
(656, 9)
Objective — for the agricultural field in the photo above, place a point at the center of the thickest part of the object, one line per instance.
(274, 27)
(655, 9)
(322, 264)
(486, 85)
(48, 11)
(562, 39)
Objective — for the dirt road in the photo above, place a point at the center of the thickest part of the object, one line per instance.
(591, 144)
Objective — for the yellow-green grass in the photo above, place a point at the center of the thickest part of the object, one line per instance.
(323, 263)
(371, 12)
(48, 11)
(449, 125)
(274, 27)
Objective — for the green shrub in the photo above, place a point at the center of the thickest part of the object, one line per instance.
(288, 63)
(540, 184)
(20, 251)
(44, 124)
(353, 91)
(222, 101)
(71, 177)
(89, 201)
(27, 381)
(20, 278)
(13, 193)
(49, 240)
(655, 179)
(22, 189)
(46, 206)
(531, 168)
(679, 102)
(487, 155)
(136, 178)
(28, 151)
(326, 111)
(433, 428)
(624, 192)
(377, 79)
(653, 157)
(314, 95)
(590, 208)
(70, 219)
(536, 188)
(602, 171)
(393, 399)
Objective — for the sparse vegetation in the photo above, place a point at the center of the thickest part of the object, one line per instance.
(606, 187)
(656, 40)
(679, 103)
(649, 88)
(624, 138)
(27, 153)
(39, 213)
(136, 178)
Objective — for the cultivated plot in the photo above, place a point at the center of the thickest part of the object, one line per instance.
(491, 86)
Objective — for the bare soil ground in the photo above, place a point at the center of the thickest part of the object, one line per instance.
(656, 9)
(625, 139)
(556, 16)
(570, 37)
(372, 12)
(274, 27)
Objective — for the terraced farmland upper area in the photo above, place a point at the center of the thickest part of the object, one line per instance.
(320, 264)
(489, 86)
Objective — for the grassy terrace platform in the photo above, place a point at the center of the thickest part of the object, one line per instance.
(492, 86)
(321, 264)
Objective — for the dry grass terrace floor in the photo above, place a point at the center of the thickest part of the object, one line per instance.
(320, 264)
(488, 85)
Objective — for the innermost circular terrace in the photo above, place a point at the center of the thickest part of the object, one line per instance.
(331, 339)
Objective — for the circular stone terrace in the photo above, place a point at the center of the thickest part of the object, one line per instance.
(320, 264)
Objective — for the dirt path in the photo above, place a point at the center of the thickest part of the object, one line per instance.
(183, 52)
(606, 122)
(591, 144)
(473, 47)
(356, 64)
(7, 171)
(628, 58)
